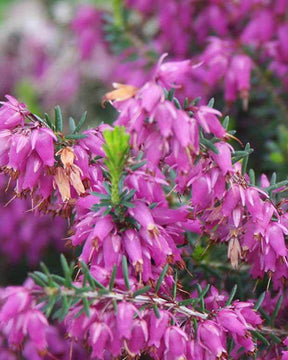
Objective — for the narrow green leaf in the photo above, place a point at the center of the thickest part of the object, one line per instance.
(92, 281)
(75, 136)
(232, 132)
(99, 195)
(230, 345)
(81, 122)
(139, 156)
(161, 277)
(86, 306)
(44, 268)
(196, 101)
(141, 291)
(107, 211)
(80, 312)
(277, 185)
(245, 161)
(51, 283)
(226, 122)
(201, 299)
(112, 279)
(95, 207)
(39, 280)
(114, 302)
(66, 271)
(186, 103)
(156, 311)
(128, 204)
(138, 166)
(187, 302)
(125, 272)
(236, 158)
(264, 314)
(58, 119)
(174, 292)
(209, 144)
(275, 338)
(72, 124)
(259, 336)
(58, 279)
(242, 153)
(260, 300)
(177, 103)
(195, 326)
(50, 305)
(49, 121)
(153, 205)
(65, 308)
(252, 176)
(276, 310)
(205, 291)
(170, 94)
(232, 294)
(273, 179)
(42, 121)
(130, 195)
(211, 102)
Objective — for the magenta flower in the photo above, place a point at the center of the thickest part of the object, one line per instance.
(132, 245)
(157, 328)
(237, 79)
(20, 150)
(42, 142)
(12, 113)
(175, 342)
(100, 335)
(139, 337)
(223, 158)
(207, 118)
(19, 318)
(35, 327)
(125, 314)
(211, 338)
(229, 321)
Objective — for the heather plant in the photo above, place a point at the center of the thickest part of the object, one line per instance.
(240, 45)
(179, 251)
(176, 249)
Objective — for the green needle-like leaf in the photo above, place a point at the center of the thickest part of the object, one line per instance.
(141, 291)
(58, 119)
(161, 277)
(113, 275)
(125, 272)
(81, 122)
(232, 294)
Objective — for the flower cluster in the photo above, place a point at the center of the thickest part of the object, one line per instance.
(29, 155)
(229, 209)
(20, 318)
(143, 197)
(139, 331)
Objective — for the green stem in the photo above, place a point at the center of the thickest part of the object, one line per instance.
(115, 197)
